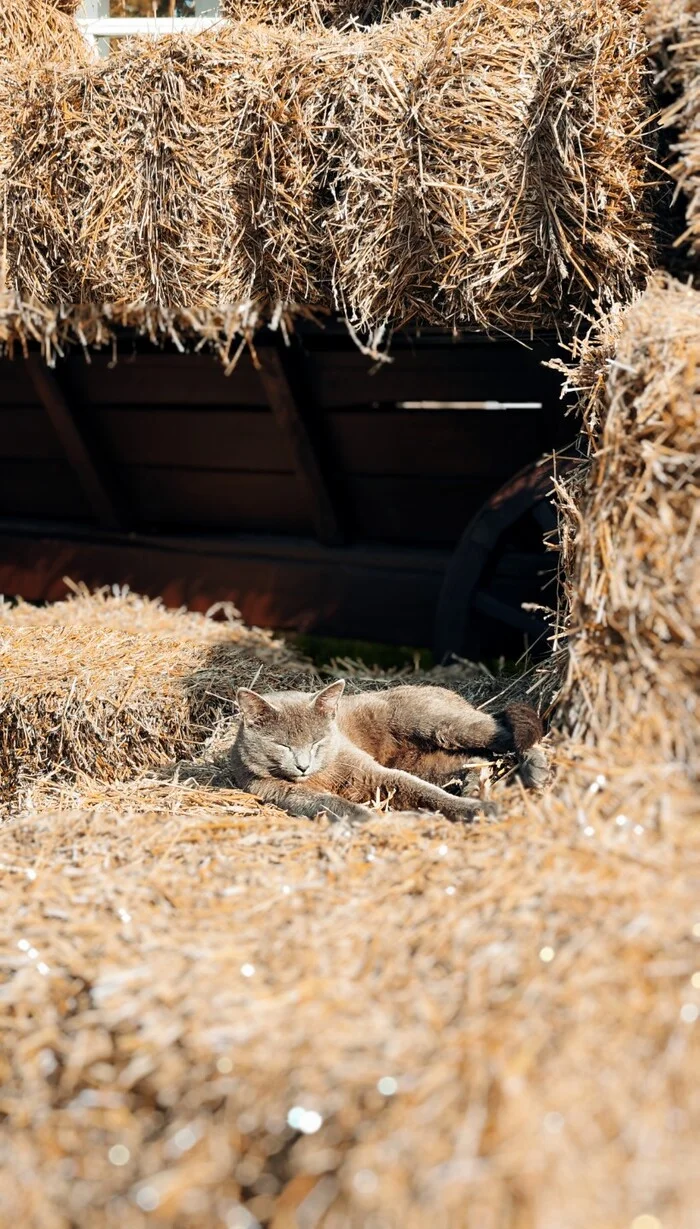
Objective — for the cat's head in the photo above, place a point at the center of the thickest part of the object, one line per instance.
(290, 737)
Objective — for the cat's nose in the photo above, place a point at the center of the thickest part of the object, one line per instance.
(302, 761)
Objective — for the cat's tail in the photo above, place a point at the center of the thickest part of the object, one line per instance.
(524, 725)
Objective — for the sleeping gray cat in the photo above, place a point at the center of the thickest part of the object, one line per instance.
(329, 753)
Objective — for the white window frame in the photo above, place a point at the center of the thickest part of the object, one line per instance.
(98, 27)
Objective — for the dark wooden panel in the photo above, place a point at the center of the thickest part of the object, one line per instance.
(26, 433)
(40, 489)
(473, 443)
(16, 387)
(214, 500)
(245, 439)
(361, 441)
(289, 405)
(91, 474)
(162, 379)
(429, 510)
(493, 373)
(400, 510)
(338, 592)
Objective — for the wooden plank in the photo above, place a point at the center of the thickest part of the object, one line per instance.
(291, 421)
(16, 387)
(339, 373)
(202, 438)
(41, 489)
(499, 372)
(454, 443)
(216, 500)
(428, 511)
(476, 445)
(385, 596)
(26, 433)
(78, 453)
(484, 445)
(163, 379)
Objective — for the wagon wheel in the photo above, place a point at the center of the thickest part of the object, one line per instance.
(497, 565)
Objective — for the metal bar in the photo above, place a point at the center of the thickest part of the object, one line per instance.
(470, 405)
(128, 27)
(290, 419)
(90, 12)
(77, 452)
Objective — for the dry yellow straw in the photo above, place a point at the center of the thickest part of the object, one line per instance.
(482, 165)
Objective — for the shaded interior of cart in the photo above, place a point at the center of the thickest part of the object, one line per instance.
(318, 490)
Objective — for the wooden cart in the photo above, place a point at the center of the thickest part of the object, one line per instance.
(400, 502)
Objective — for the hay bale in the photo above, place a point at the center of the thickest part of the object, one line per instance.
(433, 157)
(221, 1015)
(177, 174)
(109, 685)
(105, 219)
(674, 30)
(444, 170)
(630, 546)
(41, 31)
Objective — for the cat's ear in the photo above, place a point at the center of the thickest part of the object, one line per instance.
(255, 709)
(326, 701)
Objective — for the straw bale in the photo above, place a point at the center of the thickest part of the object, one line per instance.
(630, 541)
(110, 684)
(482, 165)
(199, 1006)
(139, 174)
(491, 159)
(178, 174)
(674, 30)
(41, 30)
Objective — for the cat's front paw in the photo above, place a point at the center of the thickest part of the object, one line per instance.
(349, 813)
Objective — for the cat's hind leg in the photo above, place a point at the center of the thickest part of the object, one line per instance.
(438, 719)
(436, 728)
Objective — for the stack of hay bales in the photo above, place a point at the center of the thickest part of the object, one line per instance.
(483, 165)
(111, 684)
(674, 29)
(216, 1014)
(629, 532)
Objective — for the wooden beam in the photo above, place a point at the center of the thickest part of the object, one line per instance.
(77, 452)
(373, 593)
(290, 420)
